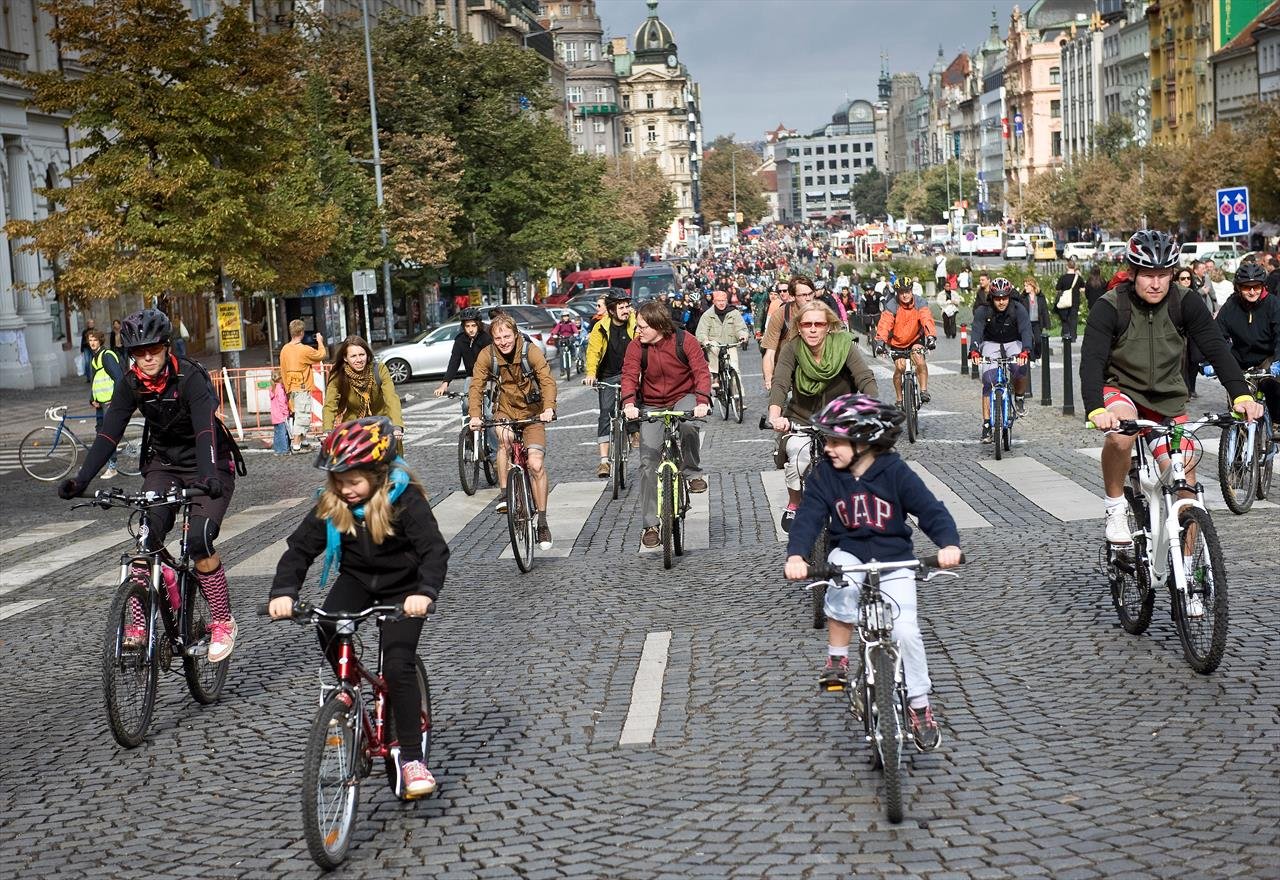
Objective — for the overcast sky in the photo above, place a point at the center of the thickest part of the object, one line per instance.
(761, 62)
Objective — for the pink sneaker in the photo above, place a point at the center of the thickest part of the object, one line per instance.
(134, 636)
(417, 779)
(222, 639)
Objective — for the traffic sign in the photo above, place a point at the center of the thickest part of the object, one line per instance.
(364, 282)
(1233, 211)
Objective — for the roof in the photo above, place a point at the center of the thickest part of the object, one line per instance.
(653, 35)
(958, 70)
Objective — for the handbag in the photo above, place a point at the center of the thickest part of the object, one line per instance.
(1067, 297)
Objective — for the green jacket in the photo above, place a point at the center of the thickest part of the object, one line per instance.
(383, 400)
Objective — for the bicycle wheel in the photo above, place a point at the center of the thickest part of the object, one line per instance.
(389, 725)
(520, 518)
(617, 471)
(722, 398)
(1204, 636)
(909, 405)
(129, 451)
(1129, 573)
(666, 515)
(48, 453)
(129, 674)
(888, 734)
(818, 592)
(997, 421)
(677, 524)
(204, 679)
(468, 463)
(1237, 476)
(735, 393)
(1006, 435)
(330, 782)
(1265, 459)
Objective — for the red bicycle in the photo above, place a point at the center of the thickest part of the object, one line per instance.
(522, 517)
(349, 732)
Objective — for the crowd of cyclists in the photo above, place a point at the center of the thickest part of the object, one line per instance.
(373, 524)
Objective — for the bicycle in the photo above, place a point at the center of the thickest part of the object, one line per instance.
(1247, 454)
(49, 452)
(349, 732)
(729, 392)
(911, 400)
(822, 546)
(619, 444)
(522, 517)
(878, 694)
(1003, 412)
(566, 348)
(1197, 587)
(473, 453)
(673, 488)
(130, 669)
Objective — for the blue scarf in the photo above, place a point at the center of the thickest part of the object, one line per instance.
(398, 480)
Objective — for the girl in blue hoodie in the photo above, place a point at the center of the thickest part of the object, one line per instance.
(862, 493)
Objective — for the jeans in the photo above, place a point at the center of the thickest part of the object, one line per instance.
(280, 439)
(651, 454)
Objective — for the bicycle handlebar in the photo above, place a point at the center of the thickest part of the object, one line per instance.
(108, 498)
(831, 572)
(659, 415)
(1133, 426)
(55, 413)
(512, 423)
(305, 612)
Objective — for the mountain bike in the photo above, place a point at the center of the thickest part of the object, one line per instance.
(729, 392)
(354, 727)
(522, 515)
(1000, 400)
(619, 443)
(474, 453)
(1247, 454)
(49, 452)
(911, 400)
(1174, 540)
(158, 613)
(673, 488)
(878, 693)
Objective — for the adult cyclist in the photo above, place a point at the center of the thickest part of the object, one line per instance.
(606, 350)
(1250, 319)
(906, 324)
(1131, 362)
(186, 446)
(1001, 328)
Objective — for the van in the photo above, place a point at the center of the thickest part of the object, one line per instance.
(652, 279)
(1198, 250)
(1044, 249)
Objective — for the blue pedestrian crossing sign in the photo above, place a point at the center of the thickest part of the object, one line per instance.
(1233, 211)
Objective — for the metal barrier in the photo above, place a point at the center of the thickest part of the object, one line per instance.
(1068, 391)
(1046, 395)
(244, 399)
(964, 349)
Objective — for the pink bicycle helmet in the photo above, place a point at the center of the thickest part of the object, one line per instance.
(860, 418)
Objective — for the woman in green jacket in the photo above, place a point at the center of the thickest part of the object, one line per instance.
(358, 387)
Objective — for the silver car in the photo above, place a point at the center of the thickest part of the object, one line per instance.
(427, 356)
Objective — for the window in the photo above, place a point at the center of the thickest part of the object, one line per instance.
(597, 125)
(870, 161)
(648, 100)
(808, 181)
(808, 151)
(822, 180)
(599, 149)
(818, 151)
(588, 51)
(1057, 144)
(574, 94)
(571, 51)
(1055, 75)
(602, 94)
(844, 163)
(628, 136)
(682, 164)
(577, 125)
(857, 163)
(651, 134)
(870, 147)
(582, 149)
(844, 148)
(857, 148)
(675, 100)
(1055, 109)
(792, 152)
(844, 178)
(821, 165)
(626, 102)
(565, 10)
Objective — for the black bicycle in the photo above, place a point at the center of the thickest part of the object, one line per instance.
(473, 454)
(911, 396)
(619, 443)
(156, 615)
(729, 392)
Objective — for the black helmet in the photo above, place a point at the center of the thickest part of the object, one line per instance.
(617, 295)
(469, 314)
(860, 418)
(1152, 249)
(1250, 273)
(146, 327)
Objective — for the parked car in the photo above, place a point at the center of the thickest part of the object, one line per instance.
(1111, 251)
(1044, 249)
(1016, 248)
(1079, 250)
(1198, 250)
(1227, 261)
(427, 355)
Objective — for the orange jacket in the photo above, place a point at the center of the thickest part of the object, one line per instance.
(905, 326)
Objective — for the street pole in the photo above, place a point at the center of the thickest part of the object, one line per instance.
(377, 180)
(733, 162)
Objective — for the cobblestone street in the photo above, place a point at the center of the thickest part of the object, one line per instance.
(1071, 749)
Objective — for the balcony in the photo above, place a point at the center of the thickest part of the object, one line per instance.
(12, 64)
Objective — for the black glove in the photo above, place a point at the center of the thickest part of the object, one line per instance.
(72, 488)
(931, 342)
(210, 486)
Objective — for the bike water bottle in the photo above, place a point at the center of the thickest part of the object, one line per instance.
(170, 578)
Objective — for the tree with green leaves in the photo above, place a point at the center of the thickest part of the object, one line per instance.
(195, 173)
(870, 193)
(724, 162)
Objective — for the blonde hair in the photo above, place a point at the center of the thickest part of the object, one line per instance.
(832, 319)
(1035, 285)
(379, 515)
(502, 319)
(296, 326)
(276, 377)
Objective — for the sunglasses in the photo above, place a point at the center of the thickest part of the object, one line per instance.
(812, 324)
(148, 351)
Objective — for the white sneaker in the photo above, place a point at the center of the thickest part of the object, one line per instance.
(109, 473)
(1118, 526)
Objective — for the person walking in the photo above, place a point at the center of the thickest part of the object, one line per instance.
(296, 361)
(105, 371)
(1070, 289)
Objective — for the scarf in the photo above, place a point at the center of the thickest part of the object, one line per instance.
(812, 377)
(155, 384)
(362, 384)
(397, 480)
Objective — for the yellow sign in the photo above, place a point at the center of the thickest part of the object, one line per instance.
(230, 327)
(477, 296)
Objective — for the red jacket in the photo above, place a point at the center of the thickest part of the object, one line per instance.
(666, 378)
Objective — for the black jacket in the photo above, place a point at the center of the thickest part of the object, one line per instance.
(465, 349)
(1252, 329)
(413, 560)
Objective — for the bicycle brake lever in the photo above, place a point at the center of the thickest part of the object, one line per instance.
(939, 572)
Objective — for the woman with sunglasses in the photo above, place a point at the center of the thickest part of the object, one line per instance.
(813, 369)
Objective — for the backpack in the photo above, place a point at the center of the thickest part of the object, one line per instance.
(187, 368)
(680, 352)
(1124, 310)
(525, 370)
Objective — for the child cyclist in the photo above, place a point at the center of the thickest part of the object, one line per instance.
(373, 522)
(862, 493)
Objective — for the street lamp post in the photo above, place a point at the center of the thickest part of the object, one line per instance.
(377, 179)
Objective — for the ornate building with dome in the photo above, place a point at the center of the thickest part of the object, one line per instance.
(660, 115)
(817, 171)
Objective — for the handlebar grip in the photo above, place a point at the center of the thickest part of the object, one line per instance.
(932, 561)
(820, 572)
(263, 609)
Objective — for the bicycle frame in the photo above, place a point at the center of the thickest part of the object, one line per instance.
(1001, 381)
(671, 459)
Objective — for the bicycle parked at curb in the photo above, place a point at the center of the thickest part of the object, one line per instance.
(729, 392)
(1247, 454)
(1174, 540)
(158, 613)
(522, 515)
(473, 453)
(1000, 400)
(673, 488)
(911, 399)
(50, 452)
(619, 443)
(353, 728)
(878, 693)
(822, 546)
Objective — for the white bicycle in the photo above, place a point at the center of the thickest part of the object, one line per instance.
(1175, 541)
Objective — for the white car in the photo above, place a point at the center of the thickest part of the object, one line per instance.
(1079, 250)
(1112, 251)
(427, 356)
(1016, 248)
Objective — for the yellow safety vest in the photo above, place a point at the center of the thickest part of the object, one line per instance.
(103, 385)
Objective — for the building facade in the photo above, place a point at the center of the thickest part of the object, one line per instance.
(1266, 34)
(904, 88)
(1126, 70)
(816, 172)
(993, 124)
(591, 84)
(1081, 64)
(1235, 79)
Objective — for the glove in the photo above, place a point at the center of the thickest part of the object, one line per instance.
(1207, 369)
(931, 342)
(72, 488)
(1023, 356)
(975, 356)
(210, 486)
(1275, 369)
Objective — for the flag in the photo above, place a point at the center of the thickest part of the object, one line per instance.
(1004, 127)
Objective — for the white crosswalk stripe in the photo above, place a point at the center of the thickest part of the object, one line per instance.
(9, 459)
